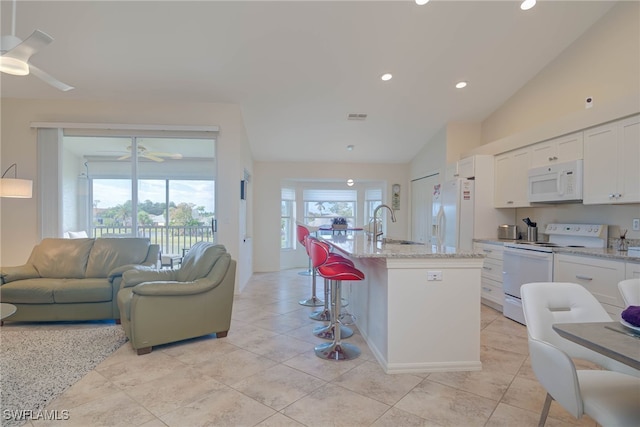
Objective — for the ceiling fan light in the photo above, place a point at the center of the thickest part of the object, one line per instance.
(13, 66)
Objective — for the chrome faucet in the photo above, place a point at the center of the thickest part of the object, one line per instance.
(378, 232)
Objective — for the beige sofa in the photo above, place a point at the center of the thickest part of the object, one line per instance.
(74, 279)
(160, 307)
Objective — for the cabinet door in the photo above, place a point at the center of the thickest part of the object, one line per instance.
(629, 161)
(512, 179)
(600, 164)
(570, 147)
(632, 270)
(557, 150)
(466, 167)
(599, 276)
(543, 153)
(503, 184)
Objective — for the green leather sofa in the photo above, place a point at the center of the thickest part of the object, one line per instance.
(74, 279)
(165, 306)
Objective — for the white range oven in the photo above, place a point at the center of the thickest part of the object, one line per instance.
(527, 262)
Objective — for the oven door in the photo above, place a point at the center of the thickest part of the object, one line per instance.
(522, 266)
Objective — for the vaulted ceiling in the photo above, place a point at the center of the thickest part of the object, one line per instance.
(298, 68)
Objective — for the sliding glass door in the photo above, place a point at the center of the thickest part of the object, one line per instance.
(161, 188)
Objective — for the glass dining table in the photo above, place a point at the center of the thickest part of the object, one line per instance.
(611, 339)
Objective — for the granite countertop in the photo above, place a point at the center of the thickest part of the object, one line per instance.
(359, 246)
(609, 253)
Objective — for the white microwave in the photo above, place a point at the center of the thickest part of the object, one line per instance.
(557, 183)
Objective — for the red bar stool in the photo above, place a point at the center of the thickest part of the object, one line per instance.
(328, 332)
(302, 233)
(324, 314)
(336, 273)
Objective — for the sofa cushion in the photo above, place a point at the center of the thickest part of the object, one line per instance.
(61, 258)
(109, 253)
(30, 291)
(82, 290)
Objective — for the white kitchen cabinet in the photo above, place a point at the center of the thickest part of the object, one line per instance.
(632, 270)
(599, 276)
(511, 178)
(612, 163)
(464, 168)
(557, 150)
(491, 278)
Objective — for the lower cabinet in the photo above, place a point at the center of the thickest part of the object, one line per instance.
(633, 270)
(599, 276)
(491, 292)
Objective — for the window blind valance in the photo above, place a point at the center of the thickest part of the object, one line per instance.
(321, 195)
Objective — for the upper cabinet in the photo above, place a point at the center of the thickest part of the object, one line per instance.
(557, 150)
(612, 163)
(511, 178)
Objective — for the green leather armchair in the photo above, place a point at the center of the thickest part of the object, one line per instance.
(159, 307)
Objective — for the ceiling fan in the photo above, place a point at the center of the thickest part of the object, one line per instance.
(17, 53)
(156, 156)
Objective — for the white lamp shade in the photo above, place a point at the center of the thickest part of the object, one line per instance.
(16, 188)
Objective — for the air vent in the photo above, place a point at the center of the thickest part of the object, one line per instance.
(356, 116)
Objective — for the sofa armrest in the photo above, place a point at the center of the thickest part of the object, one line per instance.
(10, 274)
(119, 271)
(134, 277)
(173, 288)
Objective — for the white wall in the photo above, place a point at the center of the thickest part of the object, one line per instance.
(604, 63)
(19, 217)
(268, 178)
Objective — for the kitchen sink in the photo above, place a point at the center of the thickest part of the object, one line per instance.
(400, 242)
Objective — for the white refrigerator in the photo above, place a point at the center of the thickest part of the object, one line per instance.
(453, 214)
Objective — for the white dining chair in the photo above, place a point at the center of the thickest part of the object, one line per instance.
(610, 398)
(630, 291)
(563, 302)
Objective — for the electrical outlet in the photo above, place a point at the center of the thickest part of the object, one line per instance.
(434, 276)
(636, 224)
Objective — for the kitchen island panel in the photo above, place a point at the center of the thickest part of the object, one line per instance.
(413, 325)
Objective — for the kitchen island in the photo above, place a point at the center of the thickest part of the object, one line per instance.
(418, 308)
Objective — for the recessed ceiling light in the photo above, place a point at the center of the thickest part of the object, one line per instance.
(421, 2)
(460, 85)
(350, 182)
(527, 4)
(350, 147)
(386, 77)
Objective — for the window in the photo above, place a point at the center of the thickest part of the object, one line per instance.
(321, 206)
(288, 199)
(160, 188)
(372, 199)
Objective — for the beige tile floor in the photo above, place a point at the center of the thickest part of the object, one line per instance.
(266, 374)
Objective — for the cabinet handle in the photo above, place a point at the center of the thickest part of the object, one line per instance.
(487, 251)
(553, 158)
(487, 268)
(509, 202)
(487, 289)
(583, 277)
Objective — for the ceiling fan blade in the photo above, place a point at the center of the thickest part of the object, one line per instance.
(47, 78)
(152, 157)
(37, 40)
(175, 156)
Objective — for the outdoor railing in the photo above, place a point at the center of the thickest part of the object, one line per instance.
(172, 239)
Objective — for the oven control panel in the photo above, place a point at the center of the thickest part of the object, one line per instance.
(587, 230)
